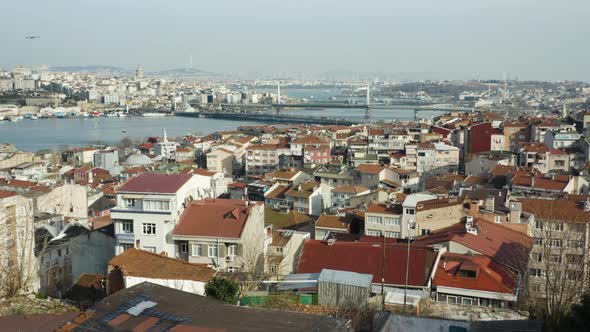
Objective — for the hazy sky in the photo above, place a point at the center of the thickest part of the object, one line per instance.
(534, 39)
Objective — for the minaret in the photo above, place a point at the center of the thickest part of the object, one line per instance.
(165, 136)
(279, 92)
(564, 111)
(368, 97)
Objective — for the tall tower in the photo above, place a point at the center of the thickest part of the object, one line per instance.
(368, 109)
(564, 111)
(139, 73)
(279, 92)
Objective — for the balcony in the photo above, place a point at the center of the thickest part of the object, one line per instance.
(125, 238)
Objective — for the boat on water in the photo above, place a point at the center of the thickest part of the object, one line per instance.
(123, 131)
(16, 118)
(33, 117)
(153, 115)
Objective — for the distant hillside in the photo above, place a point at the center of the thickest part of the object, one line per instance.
(182, 72)
(83, 69)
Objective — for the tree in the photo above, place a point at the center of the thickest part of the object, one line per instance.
(579, 318)
(222, 289)
(557, 275)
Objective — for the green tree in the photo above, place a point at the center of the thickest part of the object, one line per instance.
(223, 289)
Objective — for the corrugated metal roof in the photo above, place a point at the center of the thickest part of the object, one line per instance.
(308, 280)
(346, 278)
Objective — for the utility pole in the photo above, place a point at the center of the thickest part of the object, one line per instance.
(407, 271)
(383, 276)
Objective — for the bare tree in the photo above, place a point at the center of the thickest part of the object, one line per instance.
(18, 262)
(557, 274)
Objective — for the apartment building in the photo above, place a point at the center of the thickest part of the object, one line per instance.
(228, 235)
(264, 158)
(148, 208)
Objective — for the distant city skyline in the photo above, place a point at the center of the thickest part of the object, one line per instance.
(427, 39)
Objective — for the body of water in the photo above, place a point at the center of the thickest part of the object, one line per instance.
(34, 135)
(57, 134)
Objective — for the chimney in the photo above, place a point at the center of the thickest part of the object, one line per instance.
(489, 203)
(468, 221)
(515, 211)
(533, 181)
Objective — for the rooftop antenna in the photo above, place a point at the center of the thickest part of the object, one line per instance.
(368, 91)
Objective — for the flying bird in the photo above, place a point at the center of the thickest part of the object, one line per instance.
(32, 37)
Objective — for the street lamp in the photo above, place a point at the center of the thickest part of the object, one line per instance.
(411, 225)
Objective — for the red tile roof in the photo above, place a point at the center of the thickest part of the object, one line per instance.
(310, 139)
(568, 209)
(6, 194)
(214, 218)
(367, 257)
(141, 263)
(155, 183)
(501, 243)
(18, 183)
(489, 275)
(370, 169)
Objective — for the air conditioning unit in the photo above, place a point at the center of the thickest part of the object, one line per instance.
(229, 258)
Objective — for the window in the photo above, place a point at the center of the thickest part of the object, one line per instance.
(213, 250)
(372, 232)
(555, 243)
(451, 299)
(425, 231)
(373, 220)
(232, 269)
(130, 202)
(197, 250)
(273, 269)
(279, 250)
(232, 250)
(498, 219)
(538, 224)
(394, 235)
(127, 226)
(149, 229)
(537, 257)
(58, 252)
(536, 288)
(536, 273)
(467, 301)
(391, 221)
(574, 259)
(575, 244)
(183, 247)
(555, 258)
(557, 226)
(156, 205)
(150, 249)
(126, 246)
(410, 211)
(538, 242)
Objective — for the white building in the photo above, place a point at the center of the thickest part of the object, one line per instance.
(410, 206)
(148, 208)
(165, 148)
